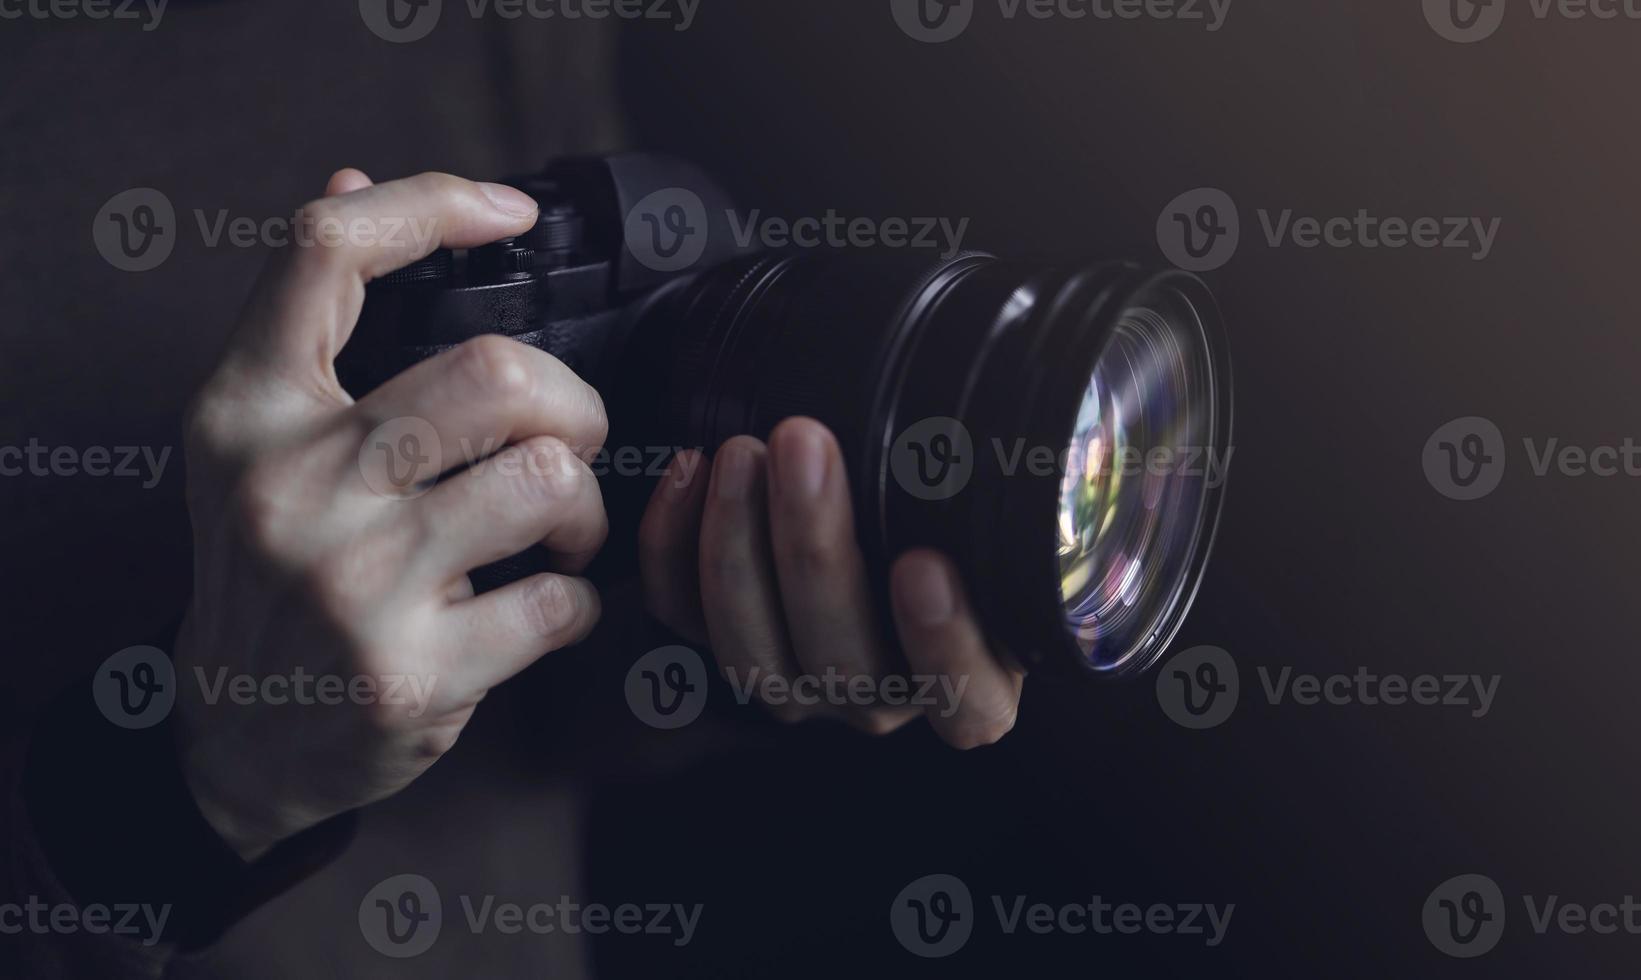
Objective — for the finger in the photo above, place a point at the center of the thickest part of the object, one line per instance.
(739, 598)
(494, 636)
(669, 552)
(536, 492)
(980, 697)
(822, 573)
(305, 306)
(488, 393)
(346, 181)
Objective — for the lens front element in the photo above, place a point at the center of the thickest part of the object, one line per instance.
(1138, 472)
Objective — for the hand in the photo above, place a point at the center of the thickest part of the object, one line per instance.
(763, 561)
(304, 571)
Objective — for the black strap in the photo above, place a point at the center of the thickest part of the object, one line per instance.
(119, 825)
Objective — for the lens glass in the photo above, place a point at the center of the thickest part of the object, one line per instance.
(1137, 475)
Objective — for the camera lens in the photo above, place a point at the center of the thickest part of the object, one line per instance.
(1135, 481)
(1055, 430)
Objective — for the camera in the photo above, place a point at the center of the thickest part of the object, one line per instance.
(1046, 425)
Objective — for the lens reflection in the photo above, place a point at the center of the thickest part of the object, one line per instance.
(1136, 477)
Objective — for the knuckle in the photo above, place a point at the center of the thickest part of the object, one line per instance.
(257, 507)
(496, 366)
(433, 743)
(724, 564)
(546, 472)
(438, 184)
(364, 565)
(598, 425)
(984, 729)
(550, 608)
(812, 552)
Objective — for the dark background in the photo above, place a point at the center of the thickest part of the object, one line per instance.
(1327, 826)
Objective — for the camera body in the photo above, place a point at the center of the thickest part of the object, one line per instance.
(937, 376)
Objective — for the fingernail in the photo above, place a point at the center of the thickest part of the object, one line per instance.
(800, 463)
(509, 200)
(732, 476)
(926, 595)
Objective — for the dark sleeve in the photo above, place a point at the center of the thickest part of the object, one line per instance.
(111, 870)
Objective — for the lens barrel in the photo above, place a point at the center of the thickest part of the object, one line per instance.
(954, 389)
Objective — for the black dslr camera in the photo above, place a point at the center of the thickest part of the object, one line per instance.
(1046, 426)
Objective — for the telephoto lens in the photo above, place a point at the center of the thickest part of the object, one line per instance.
(1060, 432)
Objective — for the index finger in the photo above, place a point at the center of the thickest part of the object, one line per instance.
(306, 304)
